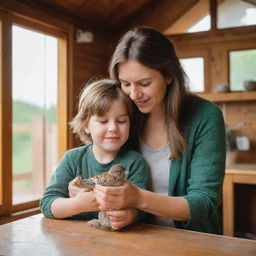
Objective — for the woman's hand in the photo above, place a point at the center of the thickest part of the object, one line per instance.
(74, 190)
(122, 218)
(117, 198)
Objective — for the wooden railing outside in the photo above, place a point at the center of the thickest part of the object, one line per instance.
(43, 153)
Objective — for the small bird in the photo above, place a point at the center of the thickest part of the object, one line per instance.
(113, 177)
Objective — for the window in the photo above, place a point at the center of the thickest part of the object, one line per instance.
(194, 68)
(35, 83)
(235, 13)
(202, 25)
(242, 68)
(34, 104)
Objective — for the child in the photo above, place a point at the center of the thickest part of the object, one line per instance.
(103, 121)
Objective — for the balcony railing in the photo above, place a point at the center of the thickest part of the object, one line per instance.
(43, 155)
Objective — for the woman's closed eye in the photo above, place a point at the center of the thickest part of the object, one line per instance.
(145, 82)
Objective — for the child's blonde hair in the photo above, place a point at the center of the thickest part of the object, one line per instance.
(96, 99)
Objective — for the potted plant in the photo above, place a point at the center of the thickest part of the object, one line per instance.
(231, 148)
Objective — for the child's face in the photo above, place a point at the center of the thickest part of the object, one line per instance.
(110, 131)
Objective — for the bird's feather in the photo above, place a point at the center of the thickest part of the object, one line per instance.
(113, 177)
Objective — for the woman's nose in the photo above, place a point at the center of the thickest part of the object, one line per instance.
(134, 94)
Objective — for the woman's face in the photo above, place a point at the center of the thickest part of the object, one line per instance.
(145, 86)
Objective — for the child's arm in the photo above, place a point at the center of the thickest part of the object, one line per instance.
(84, 201)
(56, 202)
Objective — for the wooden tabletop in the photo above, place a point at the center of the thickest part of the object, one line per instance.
(38, 236)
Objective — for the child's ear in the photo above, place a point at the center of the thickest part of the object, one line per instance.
(87, 130)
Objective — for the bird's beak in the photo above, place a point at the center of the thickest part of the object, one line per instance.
(126, 172)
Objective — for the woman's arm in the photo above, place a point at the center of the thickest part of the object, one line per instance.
(173, 207)
(129, 195)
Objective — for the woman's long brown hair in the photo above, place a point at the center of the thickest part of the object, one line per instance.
(152, 49)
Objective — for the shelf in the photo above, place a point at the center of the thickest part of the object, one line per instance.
(241, 168)
(229, 96)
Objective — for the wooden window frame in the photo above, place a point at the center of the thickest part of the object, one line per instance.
(64, 33)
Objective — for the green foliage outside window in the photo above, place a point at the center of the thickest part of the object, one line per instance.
(242, 68)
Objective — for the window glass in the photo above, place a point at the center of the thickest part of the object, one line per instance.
(203, 24)
(242, 68)
(235, 13)
(34, 101)
(194, 68)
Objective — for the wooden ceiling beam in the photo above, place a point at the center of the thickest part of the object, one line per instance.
(188, 19)
(159, 14)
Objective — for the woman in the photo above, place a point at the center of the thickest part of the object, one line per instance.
(181, 136)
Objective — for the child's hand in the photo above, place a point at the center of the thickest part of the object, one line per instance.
(83, 201)
(74, 190)
(86, 201)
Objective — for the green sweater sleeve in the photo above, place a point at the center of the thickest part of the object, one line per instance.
(138, 173)
(207, 168)
(204, 165)
(58, 186)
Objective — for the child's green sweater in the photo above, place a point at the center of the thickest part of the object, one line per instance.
(81, 161)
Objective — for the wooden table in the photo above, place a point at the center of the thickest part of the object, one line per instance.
(239, 173)
(38, 236)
